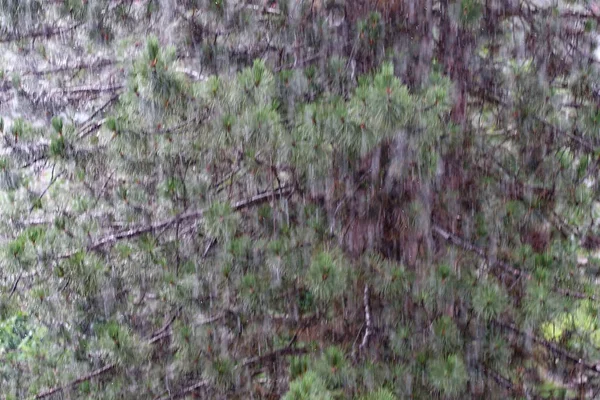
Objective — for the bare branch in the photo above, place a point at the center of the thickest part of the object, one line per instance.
(286, 351)
(501, 380)
(77, 381)
(91, 89)
(265, 10)
(155, 336)
(101, 63)
(517, 273)
(552, 347)
(184, 392)
(44, 32)
(457, 241)
(185, 217)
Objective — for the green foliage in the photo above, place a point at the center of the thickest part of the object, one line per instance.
(470, 11)
(381, 394)
(581, 324)
(220, 221)
(298, 366)
(58, 147)
(448, 374)
(14, 331)
(57, 124)
(220, 372)
(447, 334)
(333, 369)
(489, 300)
(308, 387)
(391, 280)
(326, 276)
(16, 248)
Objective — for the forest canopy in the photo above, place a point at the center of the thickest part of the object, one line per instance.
(325, 199)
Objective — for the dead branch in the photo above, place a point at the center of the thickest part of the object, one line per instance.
(77, 381)
(185, 217)
(185, 391)
(551, 346)
(501, 380)
(457, 241)
(45, 32)
(286, 351)
(101, 63)
(517, 273)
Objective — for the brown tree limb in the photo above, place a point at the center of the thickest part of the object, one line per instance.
(77, 381)
(185, 391)
(156, 337)
(185, 217)
(501, 380)
(165, 332)
(45, 32)
(459, 242)
(286, 351)
(101, 63)
(595, 368)
(517, 273)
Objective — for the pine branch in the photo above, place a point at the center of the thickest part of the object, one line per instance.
(77, 381)
(166, 326)
(457, 241)
(96, 64)
(91, 89)
(517, 273)
(272, 356)
(185, 217)
(502, 381)
(165, 332)
(551, 346)
(485, 95)
(156, 337)
(184, 392)
(44, 32)
(89, 126)
(53, 180)
(36, 151)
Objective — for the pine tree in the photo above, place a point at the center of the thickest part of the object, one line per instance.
(298, 200)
